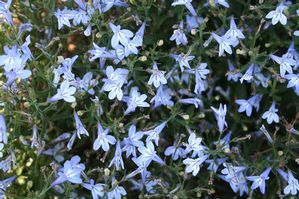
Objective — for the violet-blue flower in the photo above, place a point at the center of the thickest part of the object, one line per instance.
(103, 140)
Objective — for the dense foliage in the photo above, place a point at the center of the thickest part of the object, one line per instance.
(149, 99)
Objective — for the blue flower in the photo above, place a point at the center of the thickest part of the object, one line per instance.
(193, 165)
(193, 22)
(200, 74)
(271, 114)
(293, 185)
(220, 116)
(11, 59)
(248, 76)
(120, 35)
(157, 78)
(194, 145)
(3, 131)
(87, 83)
(222, 2)
(162, 97)
(153, 135)
(100, 52)
(277, 15)
(116, 192)
(103, 140)
(4, 11)
(106, 5)
(97, 190)
(117, 159)
(183, 60)
(17, 71)
(116, 79)
(63, 17)
(234, 33)
(187, 3)
(83, 14)
(293, 82)
(179, 35)
(4, 184)
(246, 105)
(175, 151)
(148, 154)
(71, 172)
(195, 101)
(138, 38)
(135, 100)
(259, 181)
(80, 129)
(133, 141)
(233, 74)
(224, 44)
(65, 92)
(285, 63)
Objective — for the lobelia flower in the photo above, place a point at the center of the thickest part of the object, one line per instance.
(277, 15)
(116, 79)
(224, 44)
(234, 33)
(293, 82)
(157, 78)
(71, 141)
(232, 74)
(4, 184)
(3, 130)
(133, 141)
(26, 50)
(293, 185)
(119, 35)
(195, 101)
(182, 60)
(200, 74)
(292, 53)
(65, 92)
(193, 22)
(285, 63)
(11, 58)
(138, 38)
(179, 35)
(271, 114)
(4, 11)
(117, 159)
(83, 14)
(80, 129)
(1, 148)
(194, 144)
(222, 2)
(193, 165)
(153, 135)
(71, 172)
(162, 97)
(97, 190)
(148, 154)
(108, 4)
(220, 116)
(100, 52)
(17, 71)
(187, 3)
(135, 100)
(103, 140)
(63, 17)
(116, 192)
(142, 170)
(259, 181)
(246, 105)
(87, 83)
(235, 177)
(175, 151)
(248, 76)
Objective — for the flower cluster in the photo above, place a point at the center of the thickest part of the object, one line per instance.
(147, 99)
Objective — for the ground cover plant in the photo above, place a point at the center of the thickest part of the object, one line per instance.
(149, 99)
